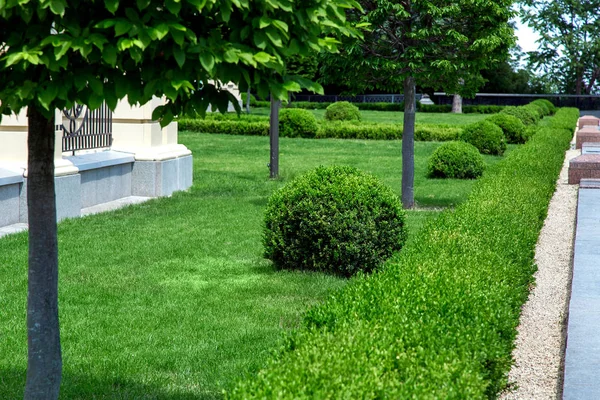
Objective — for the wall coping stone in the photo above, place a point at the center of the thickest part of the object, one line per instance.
(100, 159)
(8, 177)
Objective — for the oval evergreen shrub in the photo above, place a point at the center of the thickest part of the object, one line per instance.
(333, 219)
(296, 122)
(512, 127)
(542, 106)
(485, 136)
(342, 111)
(456, 160)
(526, 115)
(548, 104)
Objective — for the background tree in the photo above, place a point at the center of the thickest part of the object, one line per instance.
(569, 44)
(304, 66)
(431, 43)
(54, 53)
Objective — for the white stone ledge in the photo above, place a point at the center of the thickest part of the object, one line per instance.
(101, 159)
(159, 153)
(8, 177)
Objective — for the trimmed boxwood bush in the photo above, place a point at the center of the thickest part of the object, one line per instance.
(512, 127)
(542, 106)
(333, 219)
(342, 111)
(487, 137)
(437, 133)
(439, 320)
(354, 130)
(458, 160)
(297, 123)
(229, 127)
(547, 104)
(526, 115)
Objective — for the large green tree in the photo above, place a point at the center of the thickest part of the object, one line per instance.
(54, 53)
(569, 43)
(432, 43)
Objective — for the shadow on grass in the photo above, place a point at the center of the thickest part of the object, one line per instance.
(80, 387)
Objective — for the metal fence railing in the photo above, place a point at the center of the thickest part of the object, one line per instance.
(84, 129)
(583, 102)
(363, 98)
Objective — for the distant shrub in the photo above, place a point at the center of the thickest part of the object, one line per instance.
(333, 219)
(526, 115)
(229, 127)
(482, 109)
(297, 123)
(434, 108)
(540, 111)
(512, 127)
(549, 105)
(310, 105)
(485, 136)
(381, 106)
(436, 133)
(363, 130)
(244, 96)
(456, 160)
(541, 104)
(342, 111)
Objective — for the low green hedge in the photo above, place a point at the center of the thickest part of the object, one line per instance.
(229, 127)
(427, 108)
(354, 130)
(439, 320)
(332, 130)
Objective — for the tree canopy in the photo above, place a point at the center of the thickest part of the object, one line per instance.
(569, 44)
(56, 52)
(436, 42)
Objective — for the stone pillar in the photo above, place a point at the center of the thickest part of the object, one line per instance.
(162, 166)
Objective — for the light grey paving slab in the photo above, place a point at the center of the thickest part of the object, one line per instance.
(114, 205)
(582, 356)
(14, 228)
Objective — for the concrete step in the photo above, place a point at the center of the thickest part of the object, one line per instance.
(113, 205)
(589, 184)
(14, 228)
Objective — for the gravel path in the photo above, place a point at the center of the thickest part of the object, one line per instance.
(538, 369)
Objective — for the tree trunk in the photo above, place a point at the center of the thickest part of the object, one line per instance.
(248, 101)
(274, 136)
(457, 104)
(44, 362)
(408, 144)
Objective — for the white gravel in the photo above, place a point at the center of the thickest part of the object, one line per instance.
(538, 369)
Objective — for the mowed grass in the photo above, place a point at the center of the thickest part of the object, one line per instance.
(392, 117)
(171, 299)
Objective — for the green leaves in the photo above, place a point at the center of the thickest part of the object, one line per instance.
(208, 61)
(142, 48)
(112, 5)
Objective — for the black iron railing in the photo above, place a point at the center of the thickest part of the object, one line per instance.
(583, 102)
(84, 129)
(363, 98)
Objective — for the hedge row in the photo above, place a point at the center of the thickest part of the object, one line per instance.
(439, 320)
(426, 108)
(332, 130)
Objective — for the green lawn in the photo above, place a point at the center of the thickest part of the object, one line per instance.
(172, 299)
(397, 117)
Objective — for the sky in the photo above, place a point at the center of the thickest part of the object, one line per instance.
(526, 37)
